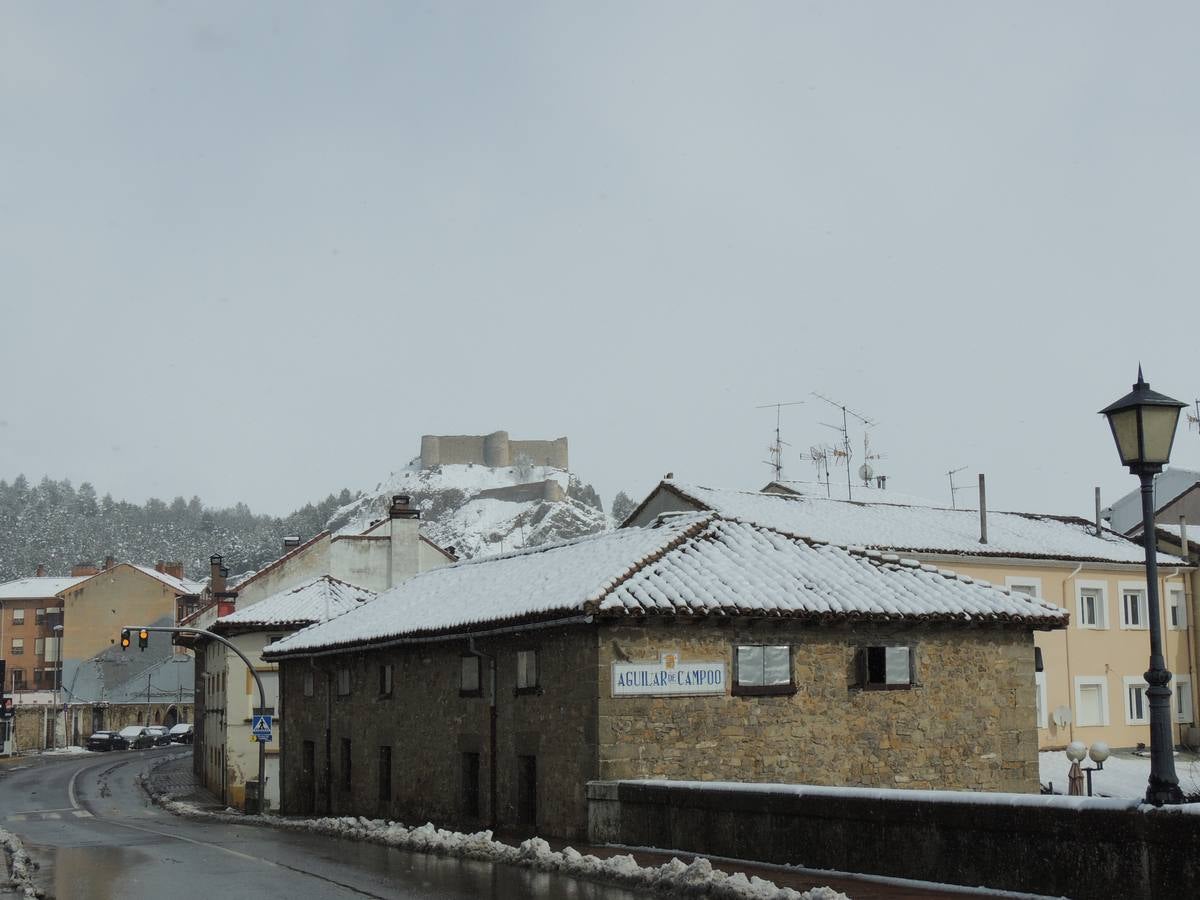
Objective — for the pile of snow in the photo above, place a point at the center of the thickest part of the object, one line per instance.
(674, 877)
(453, 515)
(21, 867)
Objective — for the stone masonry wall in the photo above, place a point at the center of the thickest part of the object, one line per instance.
(429, 726)
(496, 450)
(970, 723)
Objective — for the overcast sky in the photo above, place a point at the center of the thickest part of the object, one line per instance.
(254, 251)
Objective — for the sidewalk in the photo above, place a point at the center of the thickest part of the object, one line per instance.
(174, 776)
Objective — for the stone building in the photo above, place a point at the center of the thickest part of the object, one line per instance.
(495, 450)
(490, 692)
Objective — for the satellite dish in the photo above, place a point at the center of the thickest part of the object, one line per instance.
(1062, 716)
(866, 473)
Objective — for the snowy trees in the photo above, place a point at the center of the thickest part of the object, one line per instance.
(622, 506)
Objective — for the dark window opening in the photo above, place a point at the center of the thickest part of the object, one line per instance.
(1037, 660)
(885, 668)
(345, 768)
(385, 776)
(470, 785)
(527, 790)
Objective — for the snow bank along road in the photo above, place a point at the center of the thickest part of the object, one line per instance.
(93, 833)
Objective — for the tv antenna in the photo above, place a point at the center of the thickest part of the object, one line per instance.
(866, 471)
(844, 453)
(1194, 419)
(776, 449)
(954, 489)
(820, 454)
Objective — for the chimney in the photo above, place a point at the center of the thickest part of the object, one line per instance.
(404, 543)
(290, 543)
(109, 562)
(160, 567)
(1184, 550)
(174, 569)
(84, 568)
(982, 510)
(1099, 531)
(41, 571)
(216, 578)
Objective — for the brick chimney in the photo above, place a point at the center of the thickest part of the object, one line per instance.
(405, 536)
(84, 568)
(290, 543)
(109, 562)
(226, 600)
(174, 569)
(41, 571)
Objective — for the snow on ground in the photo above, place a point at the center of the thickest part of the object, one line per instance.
(20, 865)
(1124, 776)
(677, 877)
(65, 751)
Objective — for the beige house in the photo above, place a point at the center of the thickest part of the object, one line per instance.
(331, 568)
(1089, 683)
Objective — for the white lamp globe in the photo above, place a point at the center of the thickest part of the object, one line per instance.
(1099, 752)
(1076, 751)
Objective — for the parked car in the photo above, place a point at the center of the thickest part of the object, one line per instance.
(182, 733)
(137, 736)
(160, 733)
(107, 740)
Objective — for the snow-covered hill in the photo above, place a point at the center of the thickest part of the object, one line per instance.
(455, 516)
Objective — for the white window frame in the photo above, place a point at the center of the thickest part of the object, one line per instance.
(1143, 606)
(1082, 681)
(1136, 681)
(1177, 599)
(18, 619)
(1101, 606)
(1022, 581)
(1039, 680)
(1181, 696)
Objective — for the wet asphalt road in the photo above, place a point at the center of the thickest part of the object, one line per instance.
(95, 834)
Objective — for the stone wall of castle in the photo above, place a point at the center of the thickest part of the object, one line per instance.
(495, 450)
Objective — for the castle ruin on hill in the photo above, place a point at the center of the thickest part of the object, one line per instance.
(498, 451)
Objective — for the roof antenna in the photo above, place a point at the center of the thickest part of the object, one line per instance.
(776, 449)
(844, 453)
(955, 488)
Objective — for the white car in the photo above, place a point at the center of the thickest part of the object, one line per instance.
(138, 736)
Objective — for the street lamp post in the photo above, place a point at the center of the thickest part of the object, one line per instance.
(1143, 426)
(58, 630)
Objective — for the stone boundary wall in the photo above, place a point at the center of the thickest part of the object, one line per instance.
(1077, 847)
(495, 450)
(548, 490)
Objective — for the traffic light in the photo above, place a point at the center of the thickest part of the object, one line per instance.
(124, 638)
(143, 639)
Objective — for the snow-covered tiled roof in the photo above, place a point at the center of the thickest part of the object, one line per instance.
(1125, 515)
(915, 529)
(178, 585)
(699, 564)
(34, 588)
(316, 600)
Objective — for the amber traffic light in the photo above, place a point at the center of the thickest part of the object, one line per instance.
(124, 638)
(143, 639)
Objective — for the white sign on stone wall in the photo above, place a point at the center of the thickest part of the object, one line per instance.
(669, 676)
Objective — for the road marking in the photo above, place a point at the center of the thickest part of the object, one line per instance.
(82, 814)
(71, 788)
(53, 816)
(16, 818)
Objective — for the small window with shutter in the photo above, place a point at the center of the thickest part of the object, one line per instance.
(886, 668)
(763, 669)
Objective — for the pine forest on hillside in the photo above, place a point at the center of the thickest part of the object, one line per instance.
(58, 525)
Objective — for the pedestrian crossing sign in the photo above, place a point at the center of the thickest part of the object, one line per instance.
(261, 727)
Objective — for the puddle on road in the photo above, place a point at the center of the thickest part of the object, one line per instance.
(89, 873)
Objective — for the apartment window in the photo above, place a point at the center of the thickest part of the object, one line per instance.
(1176, 609)
(527, 671)
(1133, 607)
(1039, 679)
(18, 646)
(468, 682)
(1091, 700)
(39, 646)
(345, 768)
(886, 668)
(763, 669)
(1181, 698)
(18, 679)
(309, 685)
(385, 776)
(470, 785)
(385, 680)
(1137, 712)
(18, 617)
(343, 682)
(1092, 609)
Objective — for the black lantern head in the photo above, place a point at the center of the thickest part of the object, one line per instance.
(1143, 425)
